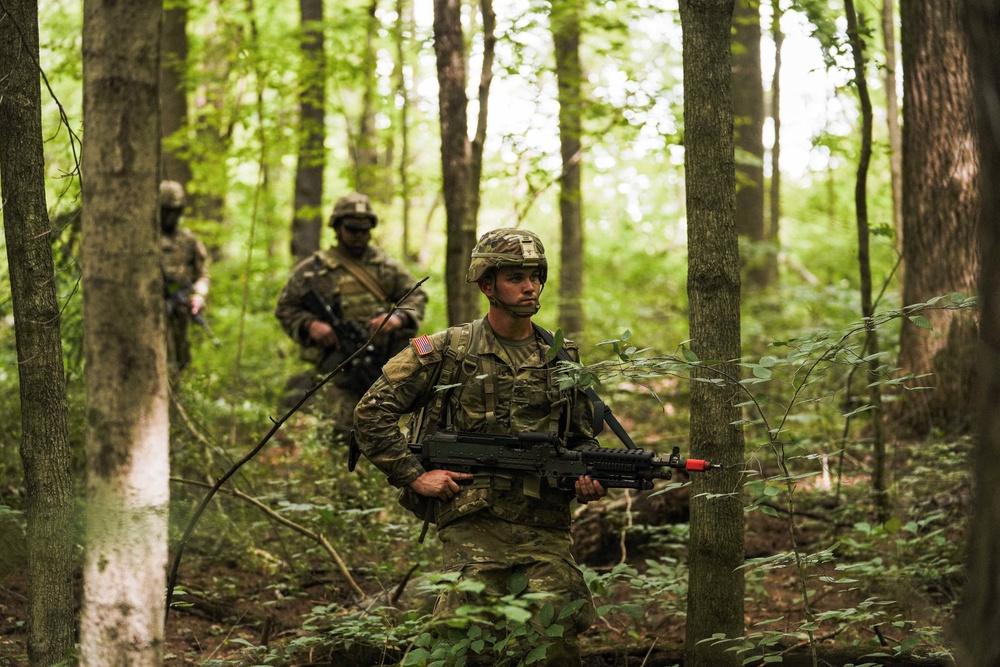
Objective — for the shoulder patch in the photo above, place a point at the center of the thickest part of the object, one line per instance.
(422, 345)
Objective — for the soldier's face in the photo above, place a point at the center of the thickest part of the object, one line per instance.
(169, 219)
(515, 286)
(353, 235)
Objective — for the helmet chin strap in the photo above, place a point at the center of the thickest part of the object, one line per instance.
(516, 311)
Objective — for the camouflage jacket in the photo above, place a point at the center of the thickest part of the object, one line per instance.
(184, 262)
(486, 395)
(324, 271)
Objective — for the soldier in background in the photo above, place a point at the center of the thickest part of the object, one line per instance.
(349, 288)
(184, 262)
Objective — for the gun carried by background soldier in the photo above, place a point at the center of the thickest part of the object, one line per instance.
(179, 301)
(542, 455)
(351, 336)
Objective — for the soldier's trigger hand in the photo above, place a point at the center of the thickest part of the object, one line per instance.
(323, 333)
(440, 484)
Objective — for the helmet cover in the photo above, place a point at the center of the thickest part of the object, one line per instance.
(354, 205)
(172, 195)
(507, 246)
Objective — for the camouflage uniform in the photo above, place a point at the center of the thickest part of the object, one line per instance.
(184, 263)
(498, 525)
(324, 271)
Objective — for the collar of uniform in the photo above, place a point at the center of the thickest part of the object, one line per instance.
(489, 343)
(331, 258)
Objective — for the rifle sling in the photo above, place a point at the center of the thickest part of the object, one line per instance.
(368, 280)
(602, 413)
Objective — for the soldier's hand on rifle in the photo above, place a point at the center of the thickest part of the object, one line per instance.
(197, 303)
(395, 321)
(588, 488)
(440, 484)
(323, 333)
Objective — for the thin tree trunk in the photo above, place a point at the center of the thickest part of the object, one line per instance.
(456, 154)
(748, 110)
(892, 121)
(566, 38)
(402, 92)
(366, 142)
(979, 614)
(716, 584)
(774, 227)
(485, 79)
(307, 226)
(45, 451)
(173, 94)
(864, 262)
(124, 339)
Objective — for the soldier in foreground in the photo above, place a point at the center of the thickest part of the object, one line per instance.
(337, 297)
(501, 380)
(184, 263)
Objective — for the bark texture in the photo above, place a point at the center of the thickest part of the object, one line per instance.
(979, 615)
(566, 37)
(715, 599)
(940, 203)
(124, 345)
(45, 450)
(307, 227)
(456, 154)
(173, 93)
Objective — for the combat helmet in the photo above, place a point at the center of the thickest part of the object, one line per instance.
(354, 205)
(172, 195)
(507, 247)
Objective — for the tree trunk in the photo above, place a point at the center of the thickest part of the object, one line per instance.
(307, 227)
(979, 615)
(402, 93)
(748, 112)
(715, 598)
(365, 144)
(45, 450)
(940, 203)
(485, 80)
(456, 153)
(127, 433)
(774, 227)
(864, 263)
(892, 121)
(566, 38)
(173, 94)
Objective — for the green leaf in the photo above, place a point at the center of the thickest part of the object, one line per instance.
(546, 614)
(689, 354)
(571, 609)
(416, 656)
(921, 321)
(555, 631)
(517, 582)
(762, 372)
(536, 654)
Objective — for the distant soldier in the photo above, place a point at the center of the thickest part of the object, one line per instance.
(184, 262)
(338, 296)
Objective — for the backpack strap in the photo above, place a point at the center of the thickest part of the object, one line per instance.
(460, 346)
(602, 413)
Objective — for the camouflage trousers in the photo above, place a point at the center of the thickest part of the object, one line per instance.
(178, 343)
(507, 557)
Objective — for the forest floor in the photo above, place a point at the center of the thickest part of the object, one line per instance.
(242, 611)
(234, 601)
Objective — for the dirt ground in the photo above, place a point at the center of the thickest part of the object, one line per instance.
(250, 610)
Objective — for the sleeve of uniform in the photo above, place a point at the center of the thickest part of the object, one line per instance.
(407, 383)
(289, 310)
(200, 265)
(400, 282)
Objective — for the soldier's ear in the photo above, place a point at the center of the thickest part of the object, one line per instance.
(486, 286)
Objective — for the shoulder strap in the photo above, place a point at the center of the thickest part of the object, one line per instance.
(368, 280)
(602, 413)
(458, 343)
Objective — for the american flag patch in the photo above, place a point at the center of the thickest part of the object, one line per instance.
(422, 345)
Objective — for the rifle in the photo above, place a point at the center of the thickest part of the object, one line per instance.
(543, 455)
(180, 301)
(351, 335)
